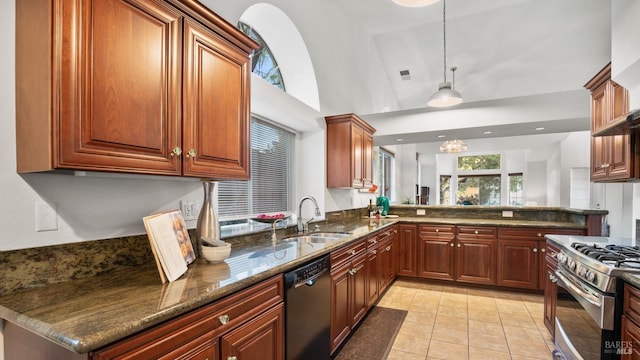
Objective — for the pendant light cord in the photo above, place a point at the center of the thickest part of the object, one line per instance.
(444, 35)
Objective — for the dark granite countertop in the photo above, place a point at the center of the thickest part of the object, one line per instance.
(84, 315)
(633, 279)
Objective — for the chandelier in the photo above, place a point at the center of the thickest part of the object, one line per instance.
(453, 146)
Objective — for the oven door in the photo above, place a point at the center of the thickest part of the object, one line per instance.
(584, 320)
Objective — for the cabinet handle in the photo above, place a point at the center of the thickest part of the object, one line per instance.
(535, 250)
(395, 231)
(373, 241)
(176, 151)
(191, 153)
(388, 248)
(352, 252)
(232, 358)
(223, 319)
(374, 251)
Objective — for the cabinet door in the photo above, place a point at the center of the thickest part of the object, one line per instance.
(550, 293)
(599, 156)
(518, 263)
(476, 261)
(215, 106)
(374, 269)
(436, 258)
(358, 286)
(357, 155)
(339, 305)
(630, 338)
(386, 255)
(367, 160)
(261, 338)
(119, 102)
(619, 164)
(407, 253)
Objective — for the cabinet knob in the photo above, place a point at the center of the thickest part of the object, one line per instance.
(476, 232)
(176, 151)
(191, 153)
(542, 250)
(459, 245)
(451, 244)
(437, 230)
(535, 250)
(539, 234)
(223, 319)
(232, 358)
(395, 231)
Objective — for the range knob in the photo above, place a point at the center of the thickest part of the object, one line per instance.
(590, 276)
(560, 257)
(572, 265)
(582, 271)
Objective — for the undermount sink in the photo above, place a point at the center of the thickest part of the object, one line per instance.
(320, 237)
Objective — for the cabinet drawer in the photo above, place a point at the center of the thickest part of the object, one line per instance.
(440, 231)
(630, 337)
(477, 232)
(535, 233)
(348, 253)
(198, 329)
(631, 306)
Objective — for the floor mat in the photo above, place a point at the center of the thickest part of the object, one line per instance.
(373, 339)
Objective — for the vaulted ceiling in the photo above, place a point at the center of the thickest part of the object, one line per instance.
(503, 49)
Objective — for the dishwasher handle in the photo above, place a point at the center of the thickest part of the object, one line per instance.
(310, 281)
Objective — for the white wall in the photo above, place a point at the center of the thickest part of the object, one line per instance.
(535, 183)
(575, 153)
(625, 47)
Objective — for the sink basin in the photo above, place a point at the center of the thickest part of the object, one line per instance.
(314, 238)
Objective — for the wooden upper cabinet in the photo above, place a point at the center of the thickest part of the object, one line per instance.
(612, 157)
(349, 152)
(134, 86)
(216, 105)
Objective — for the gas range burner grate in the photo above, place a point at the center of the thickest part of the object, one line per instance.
(613, 255)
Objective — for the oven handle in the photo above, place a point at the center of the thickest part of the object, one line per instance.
(568, 285)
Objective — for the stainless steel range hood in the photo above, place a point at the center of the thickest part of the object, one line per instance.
(626, 124)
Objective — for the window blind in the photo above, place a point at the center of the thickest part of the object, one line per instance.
(271, 175)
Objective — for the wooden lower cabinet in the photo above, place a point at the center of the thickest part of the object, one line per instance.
(630, 331)
(550, 295)
(247, 325)
(436, 251)
(521, 256)
(462, 253)
(259, 339)
(349, 295)
(407, 250)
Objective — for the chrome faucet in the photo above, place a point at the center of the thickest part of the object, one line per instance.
(274, 226)
(304, 227)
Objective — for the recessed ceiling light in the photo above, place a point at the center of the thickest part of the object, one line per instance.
(486, 132)
(415, 3)
(442, 136)
(539, 128)
(400, 139)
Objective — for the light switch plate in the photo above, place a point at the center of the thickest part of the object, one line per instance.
(507, 213)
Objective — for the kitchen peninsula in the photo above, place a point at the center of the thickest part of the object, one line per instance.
(82, 301)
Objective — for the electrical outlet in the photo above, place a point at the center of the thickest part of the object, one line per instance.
(190, 209)
(46, 217)
(506, 213)
(421, 212)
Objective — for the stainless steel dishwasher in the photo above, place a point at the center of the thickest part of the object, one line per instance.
(308, 311)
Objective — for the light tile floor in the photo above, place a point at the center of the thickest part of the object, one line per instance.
(457, 322)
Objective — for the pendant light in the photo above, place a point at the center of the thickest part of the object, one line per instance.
(446, 94)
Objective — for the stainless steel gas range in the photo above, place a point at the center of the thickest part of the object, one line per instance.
(588, 304)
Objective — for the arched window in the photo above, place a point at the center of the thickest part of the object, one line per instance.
(263, 63)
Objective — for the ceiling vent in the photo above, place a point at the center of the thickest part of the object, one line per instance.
(404, 75)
